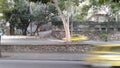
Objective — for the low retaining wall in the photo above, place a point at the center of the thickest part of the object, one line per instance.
(74, 48)
(92, 35)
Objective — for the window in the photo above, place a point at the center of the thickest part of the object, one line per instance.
(103, 29)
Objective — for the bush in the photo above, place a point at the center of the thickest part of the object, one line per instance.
(104, 36)
(75, 35)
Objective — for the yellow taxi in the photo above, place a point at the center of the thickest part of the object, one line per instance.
(105, 56)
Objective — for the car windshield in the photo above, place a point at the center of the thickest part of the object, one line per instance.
(112, 49)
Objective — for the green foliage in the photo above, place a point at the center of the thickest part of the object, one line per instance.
(115, 7)
(80, 16)
(82, 13)
(101, 2)
(93, 2)
(42, 1)
(105, 36)
(76, 2)
(5, 6)
(116, 1)
(85, 8)
(19, 17)
(52, 10)
(43, 13)
(62, 4)
(76, 35)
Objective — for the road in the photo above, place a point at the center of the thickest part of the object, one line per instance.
(40, 64)
(43, 63)
(36, 63)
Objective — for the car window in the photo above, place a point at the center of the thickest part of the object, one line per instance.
(115, 49)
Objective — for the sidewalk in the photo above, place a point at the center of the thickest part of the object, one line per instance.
(44, 56)
(32, 40)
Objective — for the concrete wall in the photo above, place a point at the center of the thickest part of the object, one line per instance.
(74, 48)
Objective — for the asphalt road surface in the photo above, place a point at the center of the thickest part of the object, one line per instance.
(40, 64)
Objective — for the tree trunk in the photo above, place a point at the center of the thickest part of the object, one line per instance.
(12, 31)
(65, 21)
(24, 31)
(36, 31)
(67, 33)
(31, 29)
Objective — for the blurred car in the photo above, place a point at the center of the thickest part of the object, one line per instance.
(105, 56)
